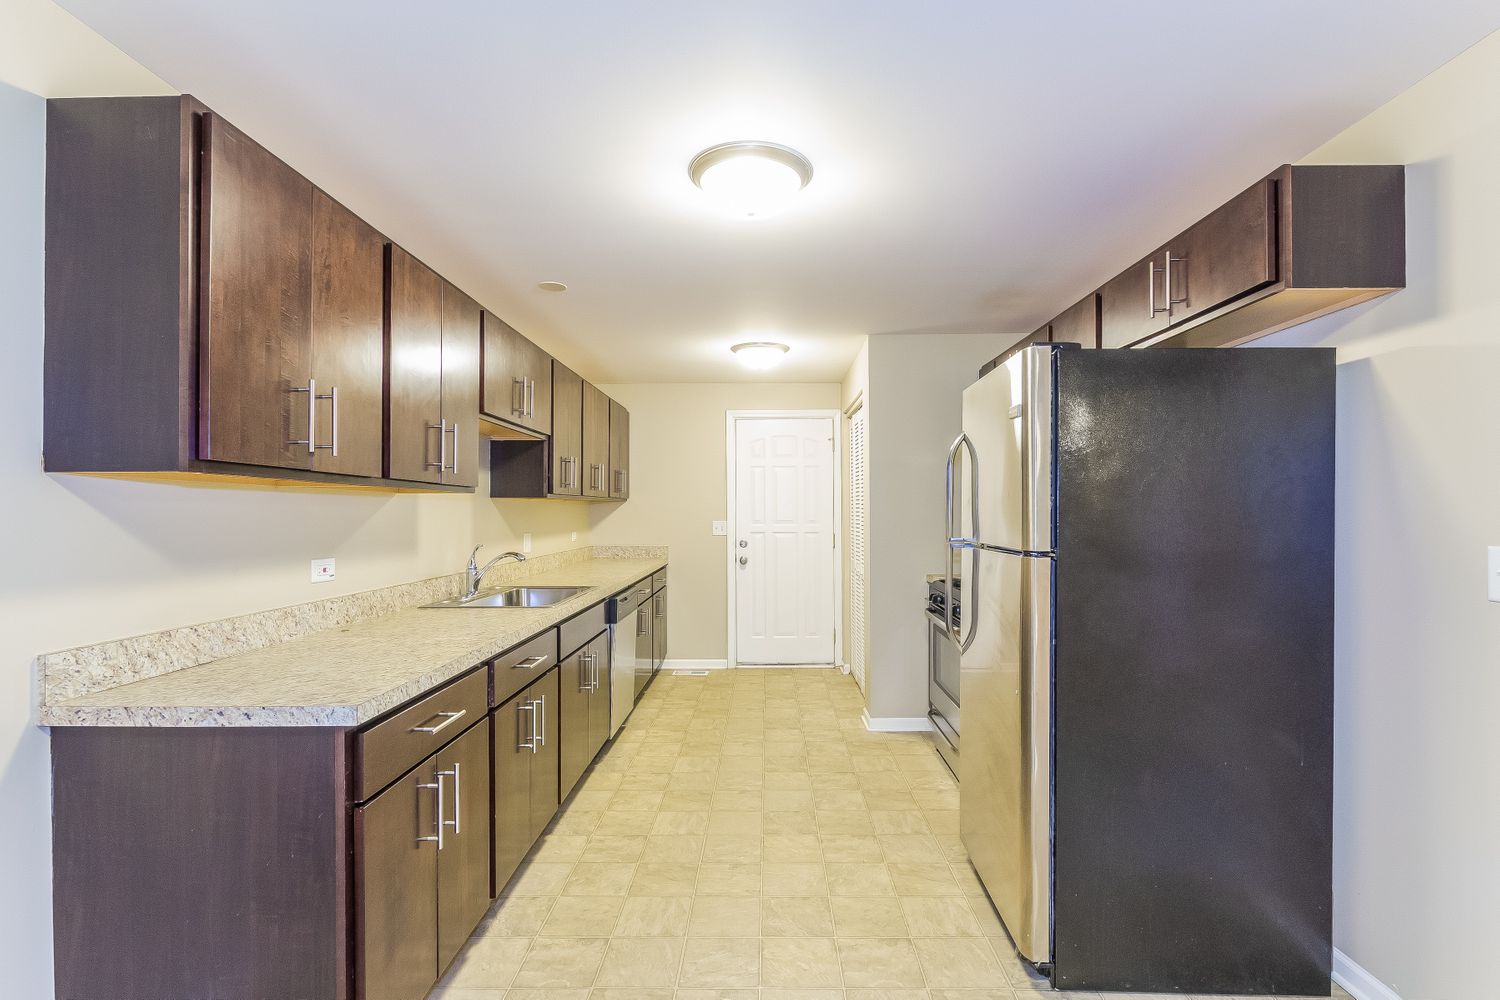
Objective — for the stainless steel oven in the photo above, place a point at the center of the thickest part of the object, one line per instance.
(943, 656)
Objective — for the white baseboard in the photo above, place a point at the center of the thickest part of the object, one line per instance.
(784, 666)
(897, 724)
(694, 664)
(1361, 984)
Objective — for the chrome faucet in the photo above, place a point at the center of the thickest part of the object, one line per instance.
(474, 573)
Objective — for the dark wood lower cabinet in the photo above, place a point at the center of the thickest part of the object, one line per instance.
(395, 889)
(584, 710)
(463, 873)
(544, 797)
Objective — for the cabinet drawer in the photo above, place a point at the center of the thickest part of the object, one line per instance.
(518, 667)
(580, 629)
(659, 579)
(395, 744)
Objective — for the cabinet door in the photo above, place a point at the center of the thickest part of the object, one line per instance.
(575, 699)
(595, 442)
(460, 386)
(256, 275)
(517, 377)
(348, 347)
(395, 889)
(1079, 323)
(463, 869)
(511, 822)
(1229, 253)
(544, 765)
(415, 432)
(619, 451)
(599, 704)
(1133, 305)
(567, 431)
(659, 628)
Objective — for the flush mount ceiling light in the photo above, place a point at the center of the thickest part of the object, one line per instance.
(759, 355)
(750, 179)
(552, 286)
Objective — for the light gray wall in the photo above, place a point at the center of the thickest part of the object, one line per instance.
(916, 384)
(1417, 744)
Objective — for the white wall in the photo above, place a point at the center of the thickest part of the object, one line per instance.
(678, 487)
(916, 384)
(1417, 751)
(94, 559)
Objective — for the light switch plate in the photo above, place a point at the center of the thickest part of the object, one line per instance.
(1495, 573)
(526, 541)
(573, 536)
(721, 527)
(322, 570)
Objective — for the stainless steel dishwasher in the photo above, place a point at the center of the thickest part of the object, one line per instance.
(622, 615)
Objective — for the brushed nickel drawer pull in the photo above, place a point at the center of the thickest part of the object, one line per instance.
(529, 663)
(449, 718)
(541, 722)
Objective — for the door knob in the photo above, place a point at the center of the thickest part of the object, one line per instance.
(744, 560)
(744, 544)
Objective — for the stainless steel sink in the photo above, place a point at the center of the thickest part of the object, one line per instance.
(513, 597)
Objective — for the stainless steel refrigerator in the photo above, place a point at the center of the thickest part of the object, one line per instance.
(1144, 543)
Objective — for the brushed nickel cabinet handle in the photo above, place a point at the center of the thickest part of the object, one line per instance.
(436, 785)
(449, 718)
(333, 396)
(529, 662)
(531, 397)
(312, 415)
(457, 821)
(1168, 281)
(442, 428)
(527, 742)
(454, 467)
(518, 408)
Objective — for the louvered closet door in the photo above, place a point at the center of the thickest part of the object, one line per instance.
(858, 519)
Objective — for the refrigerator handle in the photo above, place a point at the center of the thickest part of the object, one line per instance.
(952, 542)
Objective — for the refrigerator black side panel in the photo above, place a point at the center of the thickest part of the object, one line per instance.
(1194, 671)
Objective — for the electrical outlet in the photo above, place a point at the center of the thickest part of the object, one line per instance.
(526, 541)
(322, 570)
(1495, 573)
(573, 536)
(721, 527)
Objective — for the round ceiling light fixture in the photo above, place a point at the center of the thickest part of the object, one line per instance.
(759, 355)
(750, 179)
(552, 286)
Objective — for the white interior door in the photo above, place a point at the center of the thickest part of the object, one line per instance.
(783, 540)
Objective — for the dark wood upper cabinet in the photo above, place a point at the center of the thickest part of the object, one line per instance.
(567, 431)
(619, 451)
(257, 402)
(416, 434)
(1133, 304)
(595, 442)
(1302, 242)
(1079, 323)
(461, 332)
(517, 377)
(348, 351)
(211, 315)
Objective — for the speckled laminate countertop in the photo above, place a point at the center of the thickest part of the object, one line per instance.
(344, 676)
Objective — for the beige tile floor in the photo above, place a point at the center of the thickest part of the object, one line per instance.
(745, 838)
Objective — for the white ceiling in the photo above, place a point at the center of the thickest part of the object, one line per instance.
(979, 165)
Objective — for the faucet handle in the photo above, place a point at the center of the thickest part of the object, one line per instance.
(474, 556)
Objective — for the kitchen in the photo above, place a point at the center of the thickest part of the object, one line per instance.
(137, 588)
